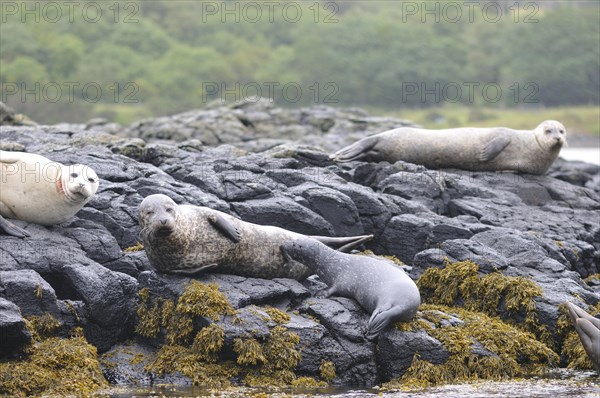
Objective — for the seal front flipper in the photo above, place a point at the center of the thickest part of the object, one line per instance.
(11, 229)
(192, 271)
(493, 148)
(379, 320)
(225, 227)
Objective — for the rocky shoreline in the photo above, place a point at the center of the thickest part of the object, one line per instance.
(509, 249)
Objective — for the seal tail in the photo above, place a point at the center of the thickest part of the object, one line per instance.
(356, 151)
(343, 244)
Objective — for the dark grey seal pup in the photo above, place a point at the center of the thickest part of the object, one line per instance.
(378, 285)
(588, 329)
(473, 149)
(186, 239)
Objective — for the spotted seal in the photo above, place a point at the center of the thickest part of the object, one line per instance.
(378, 285)
(588, 329)
(186, 239)
(40, 191)
(473, 149)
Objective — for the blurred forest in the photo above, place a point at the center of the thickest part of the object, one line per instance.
(151, 58)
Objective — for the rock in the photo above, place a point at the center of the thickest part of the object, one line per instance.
(13, 333)
(396, 349)
(406, 235)
(270, 166)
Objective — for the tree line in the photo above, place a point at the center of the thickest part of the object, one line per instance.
(160, 57)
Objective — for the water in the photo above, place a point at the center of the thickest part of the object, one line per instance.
(589, 155)
(562, 383)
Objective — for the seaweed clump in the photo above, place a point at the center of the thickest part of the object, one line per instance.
(327, 371)
(206, 300)
(459, 283)
(282, 357)
(511, 352)
(53, 365)
(277, 315)
(271, 362)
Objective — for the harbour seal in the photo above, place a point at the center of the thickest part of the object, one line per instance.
(469, 148)
(588, 329)
(379, 286)
(40, 191)
(186, 239)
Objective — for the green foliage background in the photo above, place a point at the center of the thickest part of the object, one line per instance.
(157, 57)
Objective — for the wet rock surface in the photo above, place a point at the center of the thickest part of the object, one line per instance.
(270, 166)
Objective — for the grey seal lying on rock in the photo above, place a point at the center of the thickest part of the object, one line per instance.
(186, 239)
(379, 286)
(473, 149)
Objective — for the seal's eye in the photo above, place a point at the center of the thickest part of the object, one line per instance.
(74, 175)
(169, 210)
(562, 131)
(91, 180)
(149, 212)
(548, 131)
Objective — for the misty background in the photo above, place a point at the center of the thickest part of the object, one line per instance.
(440, 63)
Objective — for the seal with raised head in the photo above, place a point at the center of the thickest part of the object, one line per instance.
(588, 329)
(378, 285)
(469, 148)
(41, 191)
(186, 239)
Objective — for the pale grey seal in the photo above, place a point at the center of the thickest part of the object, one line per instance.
(588, 329)
(377, 284)
(473, 149)
(186, 239)
(40, 191)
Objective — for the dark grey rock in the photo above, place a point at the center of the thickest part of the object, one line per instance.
(13, 333)
(395, 351)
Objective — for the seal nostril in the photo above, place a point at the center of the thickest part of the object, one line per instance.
(163, 222)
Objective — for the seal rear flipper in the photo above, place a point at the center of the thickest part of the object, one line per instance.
(493, 148)
(590, 339)
(359, 150)
(379, 320)
(575, 312)
(192, 271)
(225, 227)
(343, 244)
(11, 229)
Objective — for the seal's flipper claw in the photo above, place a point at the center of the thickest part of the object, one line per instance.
(493, 148)
(11, 229)
(225, 227)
